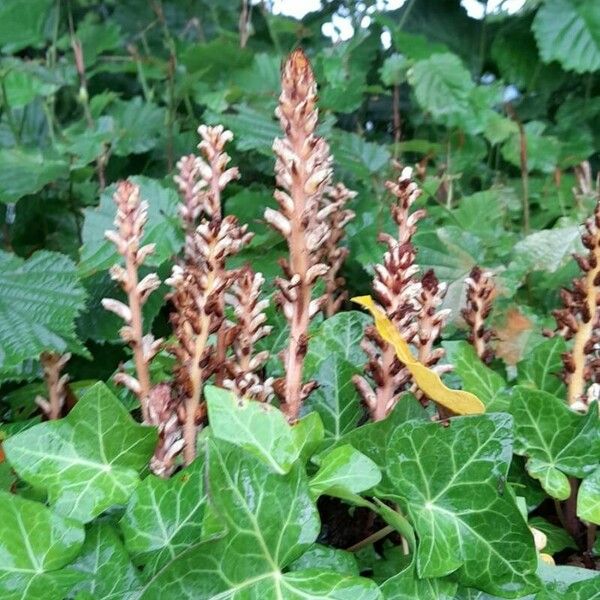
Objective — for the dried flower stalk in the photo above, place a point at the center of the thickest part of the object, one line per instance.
(303, 172)
(198, 291)
(333, 253)
(398, 291)
(243, 367)
(580, 319)
(132, 214)
(56, 383)
(481, 291)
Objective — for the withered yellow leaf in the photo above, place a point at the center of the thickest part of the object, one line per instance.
(459, 402)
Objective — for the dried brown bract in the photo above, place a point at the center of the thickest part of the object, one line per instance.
(56, 383)
(481, 291)
(303, 173)
(132, 214)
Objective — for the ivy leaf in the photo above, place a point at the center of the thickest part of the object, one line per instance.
(567, 31)
(541, 368)
(343, 470)
(164, 517)
(556, 441)
(451, 482)
(109, 573)
(36, 545)
(258, 428)
(478, 378)
(271, 521)
(162, 228)
(326, 558)
(336, 399)
(557, 538)
(588, 498)
(407, 586)
(27, 172)
(40, 299)
(88, 461)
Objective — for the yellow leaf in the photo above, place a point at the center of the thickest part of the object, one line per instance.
(428, 381)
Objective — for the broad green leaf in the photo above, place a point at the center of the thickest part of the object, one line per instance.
(138, 125)
(478, 378)
(87, 462)
(336, 399)
(257, 427)
(542, 150)
(164, 517)
(393, 70)
(542, 367)
(24, 82)
(588, 498)
(39, 301)
(308, 434)
(458, 401)
(104, 562)
(340, 335)
(557, 538)
(357, 156)
(556, 441)
(442, 86)
(568, 31)
(27, 172)
(36, 544)
(22, 23)
(163, 228)
(342, 470)
(271, 522)
(406, 585)
(326, 558)
(451, 481)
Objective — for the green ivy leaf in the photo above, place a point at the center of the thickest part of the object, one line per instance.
(588, 498)
(258, 428)
(164, 517)
(556, 441)
(568, 31)
(336, 399)
(27, 171)
(40, 299)
(451, 482)
(88, 461)
(104, 562)
(271, 521)
(36, 545)
(326, 558)
(541, 368)
(344, 470)
(162, 228)
(478, 378)
(557, 538)
(406, 585)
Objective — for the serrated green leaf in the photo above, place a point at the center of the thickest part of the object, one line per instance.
(569, 32)
(39, 300)
(89, 461)
(36, 545)
(104, 562)
(343, 470)
(163, 228)
(271, 521)
(542, 367)
(164, 517)
(27, 171)
(258, 428)
(479, 379)
(556, 440)
(588, 498)
(543, 151)
(357, 156)
(451, 482)
(22, 24)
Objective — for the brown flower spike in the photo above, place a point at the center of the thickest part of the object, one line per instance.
(132, 214)
(303, 172)
(56, 383)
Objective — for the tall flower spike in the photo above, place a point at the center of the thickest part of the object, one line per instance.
(579, 320)
(197, 293)
(398, 291)
(481, 291)
(333, 253)
(132, 214)
(244, 366)
(303, 172)
(56, 383)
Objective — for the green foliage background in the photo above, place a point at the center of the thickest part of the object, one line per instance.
(466, 93)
